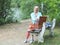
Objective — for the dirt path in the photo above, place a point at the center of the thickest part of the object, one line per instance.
(13, 34)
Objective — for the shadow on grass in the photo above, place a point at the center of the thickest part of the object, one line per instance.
(48, 40)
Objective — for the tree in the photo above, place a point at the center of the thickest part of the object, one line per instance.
(4, 9)
(51, 7)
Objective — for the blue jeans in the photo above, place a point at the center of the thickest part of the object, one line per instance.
(48, 24)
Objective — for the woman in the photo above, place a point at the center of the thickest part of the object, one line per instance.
(34, 18)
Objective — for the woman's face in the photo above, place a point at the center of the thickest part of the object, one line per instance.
(36, 9)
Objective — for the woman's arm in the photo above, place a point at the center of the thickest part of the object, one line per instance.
(33, 18)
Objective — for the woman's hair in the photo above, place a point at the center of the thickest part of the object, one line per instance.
(36, 6)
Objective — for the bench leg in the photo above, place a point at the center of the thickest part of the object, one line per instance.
(32, 38)
(52, 28)
(52, 32)
(41, 34)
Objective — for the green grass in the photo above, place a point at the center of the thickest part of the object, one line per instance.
(50, 40)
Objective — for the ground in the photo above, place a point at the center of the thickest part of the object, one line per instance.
(14, 34)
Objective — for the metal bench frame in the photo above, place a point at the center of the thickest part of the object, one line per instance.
(40, 32)
(41, 29)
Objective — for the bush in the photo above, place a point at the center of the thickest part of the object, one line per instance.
(2, 21)
(4, 7)
(26, 7)
(50, 8)
(58, 20)
(8, 19)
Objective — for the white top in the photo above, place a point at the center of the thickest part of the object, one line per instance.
(34, 17)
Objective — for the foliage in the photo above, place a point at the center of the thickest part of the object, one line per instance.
(6, 14)
(48, 40)
(26, 7)
(4, 9)
(15, 8)
(50, 8)
(2, 21)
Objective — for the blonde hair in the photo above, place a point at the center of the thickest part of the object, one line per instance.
(36, 6)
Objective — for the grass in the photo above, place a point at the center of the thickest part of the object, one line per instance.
(50, 40)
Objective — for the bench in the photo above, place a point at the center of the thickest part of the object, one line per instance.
(40, 29)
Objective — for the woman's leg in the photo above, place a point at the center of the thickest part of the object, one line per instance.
(27, 36)
(31, 27)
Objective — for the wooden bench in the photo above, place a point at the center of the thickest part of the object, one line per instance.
(40, 24)
(40, 29)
